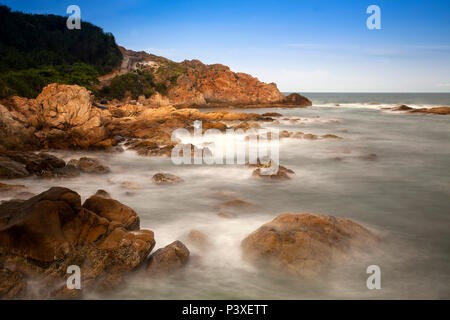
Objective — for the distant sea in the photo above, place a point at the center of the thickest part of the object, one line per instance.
(361, 99)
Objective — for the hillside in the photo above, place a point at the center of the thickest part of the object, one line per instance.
(36, 50)
(188, 83)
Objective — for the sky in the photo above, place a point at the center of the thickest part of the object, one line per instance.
(302, 45)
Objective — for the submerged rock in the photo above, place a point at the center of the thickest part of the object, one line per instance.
(437, 110)
(401, 107)
(169, 259)
(263, 172)
(272, 114)
(166, 178)
(304, 244)
(89, 165)
(11, 187)
(236, 204)
(10, 169)
(198, 239)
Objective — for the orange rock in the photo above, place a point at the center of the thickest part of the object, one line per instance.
(297, 100)
(304, 244)
(42, 236)
(114, 211)
(169, 259)
(437, 110)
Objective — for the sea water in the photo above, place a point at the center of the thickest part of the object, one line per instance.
(402, 194)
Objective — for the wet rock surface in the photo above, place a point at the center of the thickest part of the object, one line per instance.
(88, 165)
(167, 260)
(305, 244)
(166, 178)
(42, 236)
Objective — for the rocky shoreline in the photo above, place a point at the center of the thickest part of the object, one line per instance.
(42, 235)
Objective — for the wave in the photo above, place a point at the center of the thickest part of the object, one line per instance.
(376, 106)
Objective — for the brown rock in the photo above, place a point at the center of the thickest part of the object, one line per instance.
(168, 259)
(42, 236)
(401, 107)
(89, 165)
(282, 173)
(113, 210)
(330, 136)
(64, 106)
(272, 114)
(130, 185)
(11, 187)
(217, 85)
(102, 193)
(305, 244)
(13, 285)
(198, 239)
(437, 110)
(10, 169)
(15, 132)
(166, 178)
(297, 100)
(236, 204)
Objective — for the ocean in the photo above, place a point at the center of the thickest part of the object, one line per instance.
(401, 192)
(371, 100)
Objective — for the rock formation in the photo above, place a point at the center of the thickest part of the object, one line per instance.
(193, 83)
(167, 260)
(42, 236)
(305, 244)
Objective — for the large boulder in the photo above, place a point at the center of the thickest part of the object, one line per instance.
(169, 259)
(68, 118)
(113, 210)
(64, 106)
(297, 100)
(304, 244)
(42, 236)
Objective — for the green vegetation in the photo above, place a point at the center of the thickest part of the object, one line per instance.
(133, 84)
(36, 50)
(29, 82)
(171, 71)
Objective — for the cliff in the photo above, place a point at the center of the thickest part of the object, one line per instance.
(190, 83)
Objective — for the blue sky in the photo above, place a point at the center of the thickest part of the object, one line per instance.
(309, 45)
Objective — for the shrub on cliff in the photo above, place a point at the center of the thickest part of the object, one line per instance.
(133, 84)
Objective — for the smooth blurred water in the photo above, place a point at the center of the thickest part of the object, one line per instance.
(413, 99)
(403, 195)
